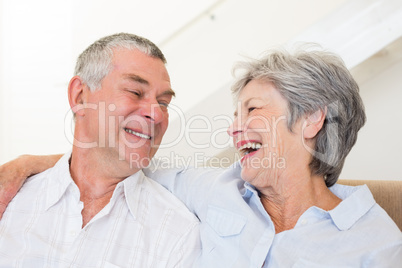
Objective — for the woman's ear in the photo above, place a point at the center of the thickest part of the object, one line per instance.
(76, 95)
(314, 123)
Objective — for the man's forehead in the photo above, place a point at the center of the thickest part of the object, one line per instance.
(139, 61)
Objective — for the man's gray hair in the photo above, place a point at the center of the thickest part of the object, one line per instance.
(95, 62)
(312, 80)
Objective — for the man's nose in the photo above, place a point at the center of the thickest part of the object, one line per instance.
(152, 111)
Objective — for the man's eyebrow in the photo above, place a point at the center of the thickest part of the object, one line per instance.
(168, 92)
(136, 78)
(139, 79)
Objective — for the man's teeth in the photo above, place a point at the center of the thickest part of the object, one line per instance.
(137, 134)
(251, 145)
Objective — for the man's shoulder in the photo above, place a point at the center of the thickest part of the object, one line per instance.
(35, 182)
(59, 169)
(42, 183)
(31, 196)
(164, 200)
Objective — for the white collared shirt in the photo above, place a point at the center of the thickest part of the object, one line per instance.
(142, 226)
(237, 232)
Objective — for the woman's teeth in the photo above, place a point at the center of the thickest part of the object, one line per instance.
(137, 134)
(250, 147)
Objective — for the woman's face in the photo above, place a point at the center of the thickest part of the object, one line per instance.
(261, 135)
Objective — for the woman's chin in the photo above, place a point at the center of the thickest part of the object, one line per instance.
(247, 174)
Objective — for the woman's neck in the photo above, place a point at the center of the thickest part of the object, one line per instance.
(286, 204)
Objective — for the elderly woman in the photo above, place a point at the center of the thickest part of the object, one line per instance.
(296, 120)
(305, 110)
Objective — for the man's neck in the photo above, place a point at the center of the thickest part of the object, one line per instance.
(95, 181)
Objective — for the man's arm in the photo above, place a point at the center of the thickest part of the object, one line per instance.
(14, 173)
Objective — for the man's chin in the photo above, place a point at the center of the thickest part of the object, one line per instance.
(137, 162)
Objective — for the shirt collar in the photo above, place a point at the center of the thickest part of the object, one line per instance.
(357, 201)
(132, 189)
(59, 181)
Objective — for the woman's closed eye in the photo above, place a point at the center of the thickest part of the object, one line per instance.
(250, 109)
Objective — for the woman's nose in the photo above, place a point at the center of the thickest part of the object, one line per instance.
(236, 128)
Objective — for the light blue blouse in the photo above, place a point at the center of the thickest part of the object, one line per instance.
(236, 231)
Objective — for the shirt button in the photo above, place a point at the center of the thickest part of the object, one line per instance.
(73, 233)
(304, 222)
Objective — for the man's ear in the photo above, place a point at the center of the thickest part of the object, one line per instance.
(314, 123)
(76, 95)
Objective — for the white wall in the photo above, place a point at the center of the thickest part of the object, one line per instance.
(2, 124)
(201, 40)
(378, 151)
(40, 41)
(35, 64)
(201, 59)
(355, 36)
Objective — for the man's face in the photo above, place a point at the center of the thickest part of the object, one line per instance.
(134, 97)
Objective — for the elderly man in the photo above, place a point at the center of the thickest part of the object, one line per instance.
(89, 210)
(255, 214)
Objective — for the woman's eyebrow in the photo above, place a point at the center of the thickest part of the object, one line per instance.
(250, 99)
(246, 103)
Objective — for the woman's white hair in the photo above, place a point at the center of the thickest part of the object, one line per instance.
(312, 80)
